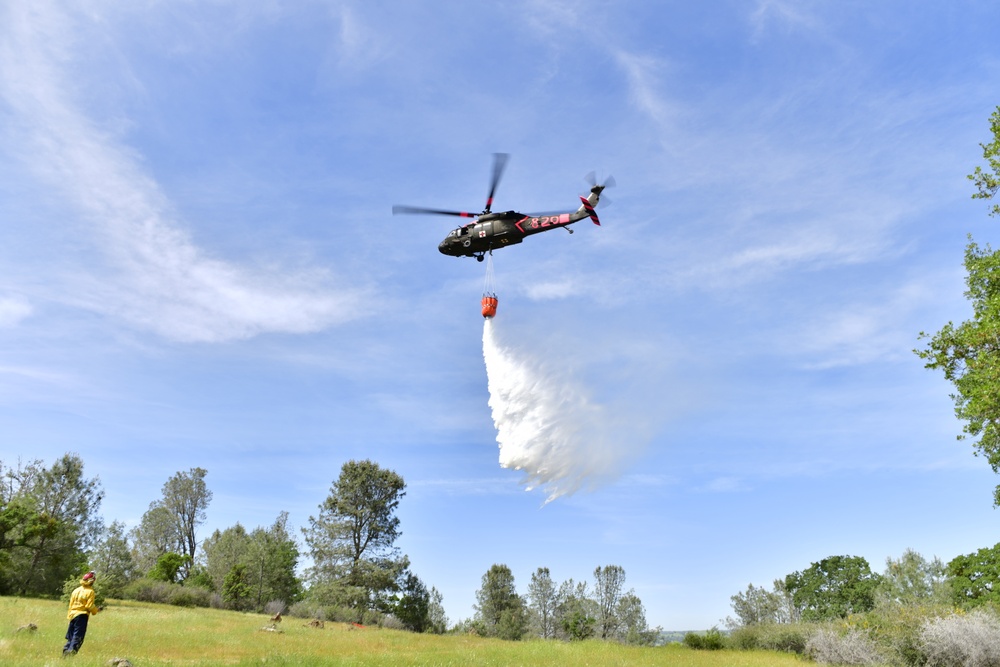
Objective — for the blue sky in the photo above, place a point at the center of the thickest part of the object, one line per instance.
(199, 267)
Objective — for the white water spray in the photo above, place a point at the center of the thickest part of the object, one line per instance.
(546, 426)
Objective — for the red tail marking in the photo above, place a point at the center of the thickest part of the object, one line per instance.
(590, 210)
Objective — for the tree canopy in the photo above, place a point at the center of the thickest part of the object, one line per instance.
(835, 587)
(969, 354)
(48, 517)
(352, 541)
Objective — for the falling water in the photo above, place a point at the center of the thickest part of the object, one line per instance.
(546, 425)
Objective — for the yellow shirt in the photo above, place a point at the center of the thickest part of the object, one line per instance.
(82, 600)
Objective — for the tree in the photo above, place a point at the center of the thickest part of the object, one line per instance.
(168, 567)
(236, 589)
(757, 606)
(969, 354)
(413, 606)
(988, 184)
(912, 579)
(170, 524)
(608, 584)
(975, 578)
(576, 612)
(542, 601)
(223, 550)
(153, 537)
(49, 518)
(186, 497)
(833, 588)
(499, 609)
(112, 559)
(435, 613)
(271, 560)
(352, 541)
(632, 628)
(268, 557)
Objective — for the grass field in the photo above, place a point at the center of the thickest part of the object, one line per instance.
(150, 634)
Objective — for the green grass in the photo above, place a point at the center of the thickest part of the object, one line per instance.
(150, 634)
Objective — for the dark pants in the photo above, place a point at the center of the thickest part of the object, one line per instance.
(75, 633)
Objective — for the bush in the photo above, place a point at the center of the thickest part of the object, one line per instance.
(189, 596)
(960, 640)
(308, 609)
(896, 628)
(148, 590)
(785, 637)
(712, 640)
(162, 592)
(851, 648)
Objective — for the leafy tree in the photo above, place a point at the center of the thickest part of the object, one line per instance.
(48, 517)
(542, 602)
(112, 559)
(271, 561)
(975, 578)
(352, 541)
(223, 550)
(788, 611)
(435, 612)
(236, 590)
(969, 354)
(186, 497)
(756, 606)
(632, 628)
(269, 557)
(413, 606)
(499, 608)
(153, 537)
(170, 525)
(912, 579)
(168, 567)
(835, 587)
(576, 611)
(988, 184)
(609, 582)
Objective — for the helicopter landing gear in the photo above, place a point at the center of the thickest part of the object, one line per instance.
(479, 258)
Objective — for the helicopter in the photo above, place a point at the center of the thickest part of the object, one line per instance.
(490, 230)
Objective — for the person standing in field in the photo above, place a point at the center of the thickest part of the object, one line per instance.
(81, 606)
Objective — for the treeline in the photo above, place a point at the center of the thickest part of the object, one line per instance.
(918, 611)
(569, 611)
(51, 532)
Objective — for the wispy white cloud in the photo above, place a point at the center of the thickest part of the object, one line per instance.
(786, 14)
(13, 309)
(161, 280)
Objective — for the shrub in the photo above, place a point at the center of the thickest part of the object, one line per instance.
(308, 609)
(896, 628)
(851, 648)
(785, 637)
(163, 592)
(960, 640)
(189, 596)
(148, 590)
(713, 640)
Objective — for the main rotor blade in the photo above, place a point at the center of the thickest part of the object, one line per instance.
(431, 211)
(499, 163)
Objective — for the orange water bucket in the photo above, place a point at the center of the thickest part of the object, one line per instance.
(489, 306)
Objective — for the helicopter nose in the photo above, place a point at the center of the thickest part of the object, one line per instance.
(443, 247)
